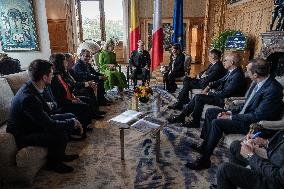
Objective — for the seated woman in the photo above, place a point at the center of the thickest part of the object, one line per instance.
(175, 69)
(107, 64)
(62, 88)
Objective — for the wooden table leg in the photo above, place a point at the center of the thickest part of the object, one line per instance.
(122, 144)
(158, 146)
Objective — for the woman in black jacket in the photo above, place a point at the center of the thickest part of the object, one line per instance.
(63, 86)
(175, 68)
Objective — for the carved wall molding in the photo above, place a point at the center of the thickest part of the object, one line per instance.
(272, 42)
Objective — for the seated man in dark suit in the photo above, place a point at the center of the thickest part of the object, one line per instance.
(214, 72)
(31, 123)
(175, 69)
(140, 62)
(232, 84)
(85, 72)
(264, 102)
(263, 173)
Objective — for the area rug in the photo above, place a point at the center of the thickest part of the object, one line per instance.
(100, 166)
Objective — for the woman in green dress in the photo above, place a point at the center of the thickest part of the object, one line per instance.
(107, 66)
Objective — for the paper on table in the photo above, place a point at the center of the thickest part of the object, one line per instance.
(126, 116)
(144, 126)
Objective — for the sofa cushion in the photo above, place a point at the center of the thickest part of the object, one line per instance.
(31, 156)
(17, 80)
(6, 96)
(8, 149)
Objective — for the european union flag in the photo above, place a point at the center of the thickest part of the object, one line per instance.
(177, 36)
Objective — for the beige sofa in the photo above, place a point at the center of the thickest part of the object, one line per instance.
(16, 165)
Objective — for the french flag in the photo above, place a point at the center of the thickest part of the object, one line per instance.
(157, 43)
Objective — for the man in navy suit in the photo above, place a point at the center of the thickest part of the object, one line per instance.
(232, 84)
(264, 102)
(214, 72)
(31, 121)
(85, 72)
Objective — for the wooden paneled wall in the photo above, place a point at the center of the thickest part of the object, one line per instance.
(252, 17)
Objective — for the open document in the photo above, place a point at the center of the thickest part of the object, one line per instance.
(126, 116)
(145, 126)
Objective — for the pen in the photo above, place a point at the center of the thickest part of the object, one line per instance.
(256, 135)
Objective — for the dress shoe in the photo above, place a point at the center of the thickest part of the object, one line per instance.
(104, 104)
(191, 124)
(97, 117)
(196, 147)
(101, 112)
(60, 167)
(176, 119)
(176, 106)
(69, 158)
(199, 164)
(75, 138)
(213, 186)
(107, 101)
(89, 128)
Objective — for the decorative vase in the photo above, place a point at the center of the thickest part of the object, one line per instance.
(143, 99)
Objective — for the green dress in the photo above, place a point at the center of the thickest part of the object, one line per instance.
(115, 78)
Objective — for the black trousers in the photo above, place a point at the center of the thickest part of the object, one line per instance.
(169, 78)
(188, 84)
(213, 130)
(143, 71)
(55, 141)
(196, 105)
(234, 174)
(82, 111)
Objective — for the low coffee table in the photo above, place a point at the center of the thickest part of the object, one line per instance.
(142, 123)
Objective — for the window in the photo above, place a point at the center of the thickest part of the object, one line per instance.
(114, 19)
(90, 12)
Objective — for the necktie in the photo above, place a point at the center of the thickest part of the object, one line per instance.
(249, 99)
(251, 87)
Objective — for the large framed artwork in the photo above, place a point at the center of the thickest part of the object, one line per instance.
(167, 33)
(17, 26)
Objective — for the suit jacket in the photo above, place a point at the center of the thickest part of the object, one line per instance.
(85, 72)
(213, 72)
(265, 105)
(229, 86)
(177, 67)
(29, 113)
(272, 170)
(140, 60)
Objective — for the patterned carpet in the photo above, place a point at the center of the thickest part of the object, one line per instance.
(99, 165)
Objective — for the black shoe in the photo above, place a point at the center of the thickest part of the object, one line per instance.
(60, 168)
(199, 164)
(89, 129)
(104, 104)
(213, 186)
(176, 119)
(97, 117)
(191, 124)
(101, 112)
(176, 106)
(107, 101)
(69, 158)
(196, 147)
(75, 138)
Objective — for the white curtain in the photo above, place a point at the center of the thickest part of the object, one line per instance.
(125, 5)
